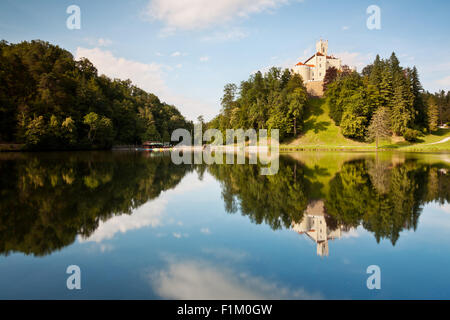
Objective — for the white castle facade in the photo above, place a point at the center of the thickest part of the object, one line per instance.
(314, 225)
(314, 68)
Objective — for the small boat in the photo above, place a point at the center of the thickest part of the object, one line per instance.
(154, 146)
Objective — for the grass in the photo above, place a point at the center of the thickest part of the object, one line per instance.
(319, 129)
(320, 133)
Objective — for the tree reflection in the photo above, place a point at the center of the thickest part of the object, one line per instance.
(384, 196)
(48, 199)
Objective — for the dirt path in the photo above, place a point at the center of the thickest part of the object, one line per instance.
(441, 141)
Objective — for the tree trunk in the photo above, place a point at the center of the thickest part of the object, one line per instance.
(295, 127)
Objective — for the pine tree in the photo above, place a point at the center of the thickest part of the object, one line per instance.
(386, 88)
(379, 127)
(433, 114)
(394, 65)
(418, 103)
(376, 72)
(402, 114)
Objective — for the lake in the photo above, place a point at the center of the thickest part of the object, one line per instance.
(140, 227)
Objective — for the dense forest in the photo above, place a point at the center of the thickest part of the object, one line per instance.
(275, 100)
(50, 101)
(385, 99)
(383, 92)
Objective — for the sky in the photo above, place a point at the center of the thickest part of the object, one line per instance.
(185, 51)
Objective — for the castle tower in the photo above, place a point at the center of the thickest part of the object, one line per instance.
(322, 47)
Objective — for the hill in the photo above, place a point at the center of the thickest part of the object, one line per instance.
(49, 100)
(320, 132)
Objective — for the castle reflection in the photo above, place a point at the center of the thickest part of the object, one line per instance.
(318, 227)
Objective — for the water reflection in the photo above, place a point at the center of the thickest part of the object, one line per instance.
(316, 224)
(194, 279)
(50, 199)
(323, 198)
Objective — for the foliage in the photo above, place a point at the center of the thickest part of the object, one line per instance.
(330, 76)
(275, 100)
(41, 86)
(354, 98)
(411, 134)
(432, 113)
(379, 127)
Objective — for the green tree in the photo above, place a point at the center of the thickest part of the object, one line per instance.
(432, 114)
(379, 127)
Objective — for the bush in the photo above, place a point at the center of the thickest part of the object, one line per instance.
(411, 135)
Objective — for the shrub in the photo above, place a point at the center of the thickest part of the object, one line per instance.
(411, 135)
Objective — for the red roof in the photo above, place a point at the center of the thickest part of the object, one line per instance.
(303, 64)
(311, 65)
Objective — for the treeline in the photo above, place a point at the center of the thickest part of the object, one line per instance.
(440, 104)
(50, 101)
(275, 100)
(384, 99)
(387, 90)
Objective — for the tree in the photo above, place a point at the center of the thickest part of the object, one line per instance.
(100, 129)
(36, 132)
(68, 131)
(432, 114)
(38, 79)
(379, 127)
(330, 76)
(402, 106)
(296, 98)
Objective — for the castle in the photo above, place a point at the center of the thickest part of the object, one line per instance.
(313, 69)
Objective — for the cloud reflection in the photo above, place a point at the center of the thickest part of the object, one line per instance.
(200, 280)
(149, 214)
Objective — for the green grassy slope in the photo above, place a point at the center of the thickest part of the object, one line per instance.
(319, 129)
(320, 132)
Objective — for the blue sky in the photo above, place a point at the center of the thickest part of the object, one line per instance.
(186, 51)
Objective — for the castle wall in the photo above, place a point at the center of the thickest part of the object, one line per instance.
(315, 88)
(334, 63)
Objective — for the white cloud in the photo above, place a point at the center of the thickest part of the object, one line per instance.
(147, 76)
(100, 42)
(196, 14)
(354, 59)
(176, 54)
(352, 233)
(444, 82)
(200, 280)
(104, 42)
(345, 28)
(228, 35)
(149, 214)
(205, 230)
(204, 59)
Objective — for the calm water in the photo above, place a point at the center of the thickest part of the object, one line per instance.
(139, 226)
